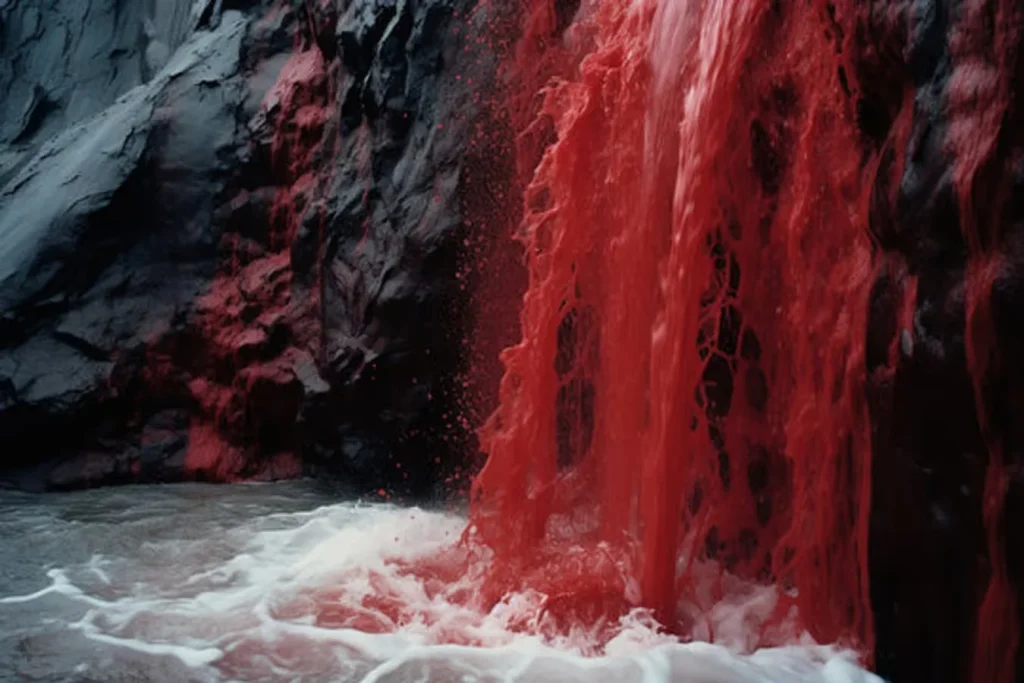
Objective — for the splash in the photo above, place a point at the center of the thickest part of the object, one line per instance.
(265, 583)
(689, 388)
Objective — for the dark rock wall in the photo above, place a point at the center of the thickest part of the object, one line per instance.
(931, 560)
(229, 238)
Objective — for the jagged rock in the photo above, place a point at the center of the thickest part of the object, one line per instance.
(228, 239)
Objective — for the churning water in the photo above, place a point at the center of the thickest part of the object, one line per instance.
(280, 582)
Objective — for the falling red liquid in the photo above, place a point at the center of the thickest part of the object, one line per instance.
(690, 381)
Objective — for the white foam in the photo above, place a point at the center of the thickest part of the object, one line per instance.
(272, 608)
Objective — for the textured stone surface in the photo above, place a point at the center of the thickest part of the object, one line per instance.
(229, 235)
(929, 553)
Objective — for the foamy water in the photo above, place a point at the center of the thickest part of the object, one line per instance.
(278, 583)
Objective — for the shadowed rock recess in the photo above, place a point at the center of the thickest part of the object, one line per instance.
(229, 237)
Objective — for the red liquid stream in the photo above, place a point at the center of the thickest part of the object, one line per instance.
(699, 224)
(690, 383)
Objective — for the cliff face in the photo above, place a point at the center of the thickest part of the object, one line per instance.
(229, 238)
(944, 337)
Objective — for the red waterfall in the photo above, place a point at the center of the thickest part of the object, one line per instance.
(690, 384)
(690, 387)
(692, 358)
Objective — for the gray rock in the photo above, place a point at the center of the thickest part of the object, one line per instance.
(241, 222)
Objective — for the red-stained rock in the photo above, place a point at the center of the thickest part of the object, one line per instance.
(245, 273)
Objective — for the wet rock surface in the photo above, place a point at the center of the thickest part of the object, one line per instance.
(933, 439)
(229, 236)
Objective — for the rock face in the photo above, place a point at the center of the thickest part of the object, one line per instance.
(945, 312)
(229, 239)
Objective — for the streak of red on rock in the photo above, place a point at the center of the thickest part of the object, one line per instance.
(254, 294)
(209, 455)
(692, 362)
(987, 68)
